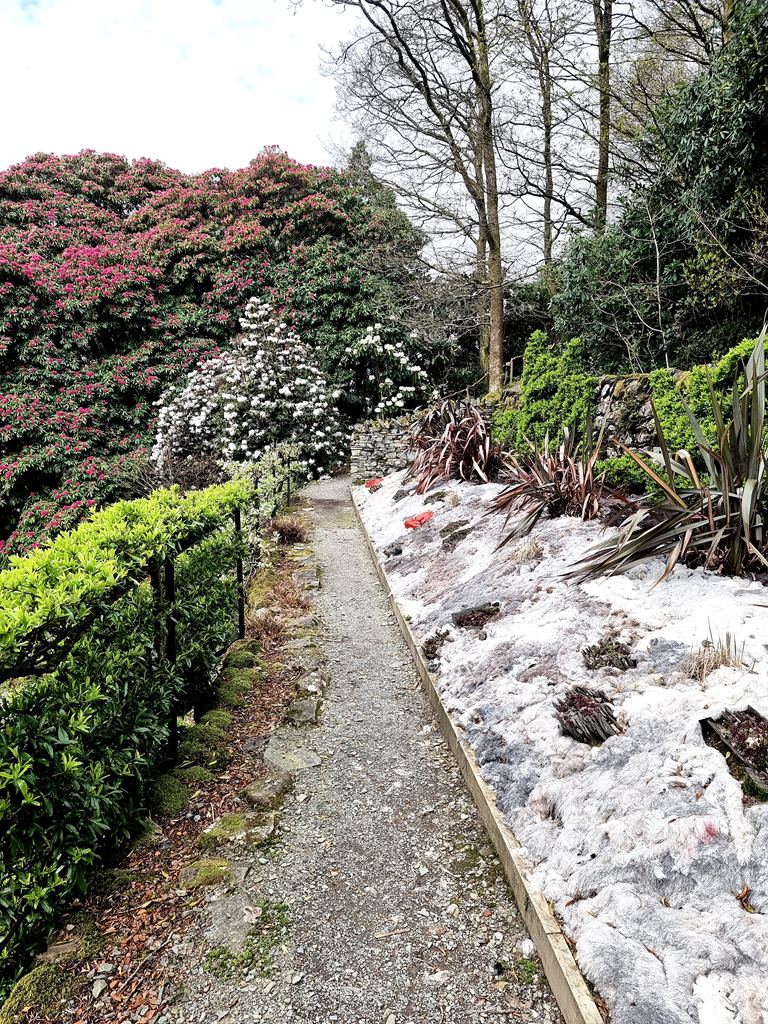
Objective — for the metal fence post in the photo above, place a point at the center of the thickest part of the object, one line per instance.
(157, 596)
(239, 568)
(171, 651)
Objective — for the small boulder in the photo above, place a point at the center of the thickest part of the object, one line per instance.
(205, 872)
(251, 829)
(289, 755)
(304, 711)
(266, 794)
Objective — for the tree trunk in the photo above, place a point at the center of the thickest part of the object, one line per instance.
(491, 205)
(549, 185)
(496, 339)
(481, 284)
(603, 11)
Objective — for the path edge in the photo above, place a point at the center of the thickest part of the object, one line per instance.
(565, 979)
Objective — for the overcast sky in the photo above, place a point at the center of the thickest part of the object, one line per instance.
(196, 83)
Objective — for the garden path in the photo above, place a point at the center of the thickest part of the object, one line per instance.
(397, 912)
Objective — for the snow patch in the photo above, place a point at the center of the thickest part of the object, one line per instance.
(642, 843)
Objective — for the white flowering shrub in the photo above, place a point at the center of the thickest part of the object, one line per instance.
(390, 378)
(239, 405)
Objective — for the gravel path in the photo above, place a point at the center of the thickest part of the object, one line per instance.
(394, 908)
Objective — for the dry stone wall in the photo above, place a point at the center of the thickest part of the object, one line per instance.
(624, 407)
(379, 447)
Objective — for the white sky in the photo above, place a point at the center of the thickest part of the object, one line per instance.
(195, 83)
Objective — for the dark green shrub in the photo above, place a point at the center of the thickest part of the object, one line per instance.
(621, 471)
(79, 741)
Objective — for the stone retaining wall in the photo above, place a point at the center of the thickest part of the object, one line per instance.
(381, 446)
(624, 406)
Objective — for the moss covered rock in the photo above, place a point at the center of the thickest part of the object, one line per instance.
(250, 828)
(39, 992)
(242, 659)
(267, 793)
(199, 873)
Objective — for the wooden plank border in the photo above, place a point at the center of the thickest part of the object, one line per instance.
(568, 986)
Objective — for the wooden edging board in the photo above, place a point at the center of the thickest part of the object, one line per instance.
(568, 986)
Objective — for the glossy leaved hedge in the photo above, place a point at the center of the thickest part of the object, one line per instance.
(78, 739)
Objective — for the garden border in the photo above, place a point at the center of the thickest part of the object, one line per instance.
(568, 985)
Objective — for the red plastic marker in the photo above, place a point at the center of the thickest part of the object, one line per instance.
(416, 521)
(372, 483)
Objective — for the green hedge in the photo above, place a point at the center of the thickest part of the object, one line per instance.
(693, 386)
(556, 392)
(47, 596)
(78, 741)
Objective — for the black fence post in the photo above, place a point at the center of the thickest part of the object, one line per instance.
(288, 485)
(157, 595)
(171, 651)
(239, 567)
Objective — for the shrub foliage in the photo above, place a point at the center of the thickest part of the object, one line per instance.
(453, 441)
(716, 517)
(116, 278)
(85, 709)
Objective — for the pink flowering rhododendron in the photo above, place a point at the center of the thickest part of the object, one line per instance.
(118, 278)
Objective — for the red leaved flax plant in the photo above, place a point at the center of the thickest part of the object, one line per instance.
(717, 518)
(557, 481)
(453, 441)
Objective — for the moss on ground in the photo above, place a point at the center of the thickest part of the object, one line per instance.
(260, 588)
(219, 718)
(240, 658)
(205, 743)
(256, 953)
(472, 860)
(168, 795)
(195, 775)
(90, 941)
(233, 685)
(39, 992)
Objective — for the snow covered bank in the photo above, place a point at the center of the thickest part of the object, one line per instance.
(643, 844)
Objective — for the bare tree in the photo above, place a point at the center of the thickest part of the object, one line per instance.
(603, 17)
(421, 80)
(693, 31)
(540, 32)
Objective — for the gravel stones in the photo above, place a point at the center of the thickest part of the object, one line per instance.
(396, 909)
